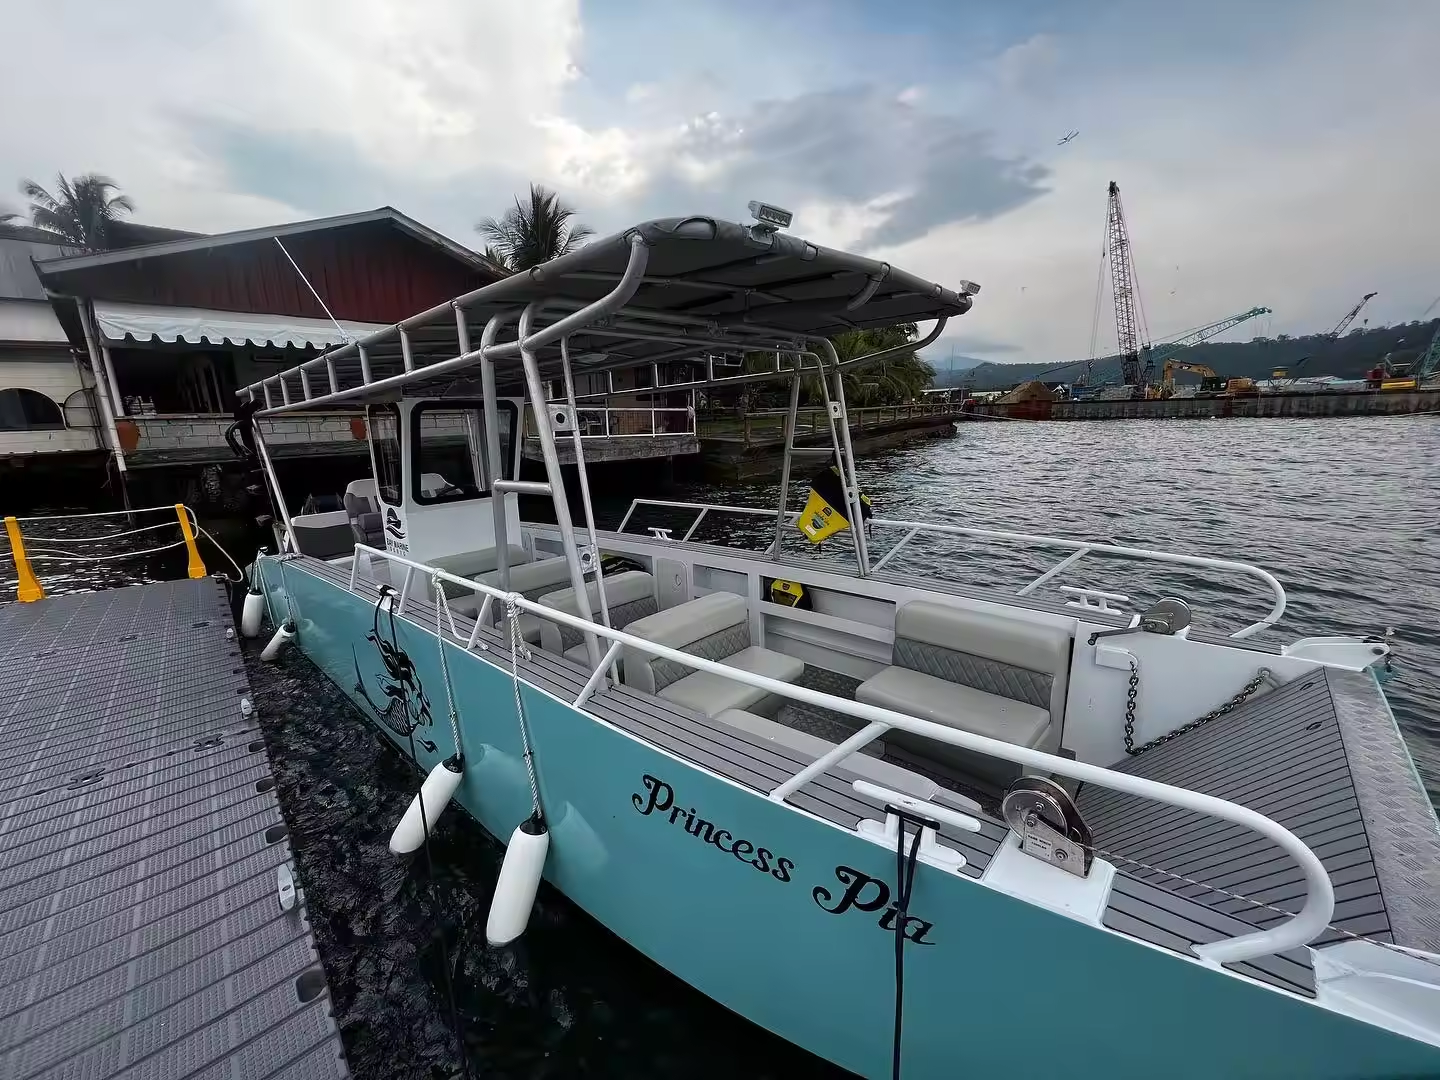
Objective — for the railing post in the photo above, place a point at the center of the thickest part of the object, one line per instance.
(28, 588)
(196, 568)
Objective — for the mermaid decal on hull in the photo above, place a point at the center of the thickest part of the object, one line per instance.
(407, 708)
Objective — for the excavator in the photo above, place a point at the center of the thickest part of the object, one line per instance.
(1210, 383)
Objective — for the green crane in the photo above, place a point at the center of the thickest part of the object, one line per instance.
(1157, 353)
(1428, 365)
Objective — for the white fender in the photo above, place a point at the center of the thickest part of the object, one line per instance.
(519, 880)
(435, 793)
(251, 614)
(282, 635)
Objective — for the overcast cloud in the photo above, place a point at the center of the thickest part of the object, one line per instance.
(1282, 156)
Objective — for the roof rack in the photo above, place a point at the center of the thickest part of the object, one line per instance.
(666, 290)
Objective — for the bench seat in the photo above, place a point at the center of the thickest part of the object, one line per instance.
(630, 595)
(956, 705)
(715, 627)
(711, 694)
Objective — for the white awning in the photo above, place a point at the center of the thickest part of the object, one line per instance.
(142, 322)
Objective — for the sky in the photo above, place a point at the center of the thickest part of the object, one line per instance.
(1281, 154)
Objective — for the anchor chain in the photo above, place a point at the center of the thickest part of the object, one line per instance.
(1262, 676)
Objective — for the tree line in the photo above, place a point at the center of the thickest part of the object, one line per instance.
(1348, 357)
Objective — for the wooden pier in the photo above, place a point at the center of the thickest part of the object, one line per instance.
(733, 447)
(142, 851)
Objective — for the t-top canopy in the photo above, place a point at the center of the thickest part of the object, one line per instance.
(666, 290)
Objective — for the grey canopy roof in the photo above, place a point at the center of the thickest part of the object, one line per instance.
(708, 286)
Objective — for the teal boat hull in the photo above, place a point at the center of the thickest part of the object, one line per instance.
(745, 899)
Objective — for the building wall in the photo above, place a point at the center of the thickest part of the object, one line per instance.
(55, 375)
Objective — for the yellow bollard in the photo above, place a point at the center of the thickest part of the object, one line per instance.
(197, 568)
(29, 588)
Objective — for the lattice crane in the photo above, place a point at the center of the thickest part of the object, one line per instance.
(1129, 316)
(1344, 323)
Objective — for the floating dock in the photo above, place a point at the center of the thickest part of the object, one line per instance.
(142, 932)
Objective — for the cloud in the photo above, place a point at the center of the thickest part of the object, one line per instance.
(1288, 166)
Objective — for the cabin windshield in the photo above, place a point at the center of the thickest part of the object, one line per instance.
(449, 451)
(384, 424)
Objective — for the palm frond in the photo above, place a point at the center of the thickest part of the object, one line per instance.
(81, 210)
(538, 228)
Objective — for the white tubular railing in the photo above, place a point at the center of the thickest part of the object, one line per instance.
(1078, 550)
(612, 422)
(1312, 919)
(703, 508)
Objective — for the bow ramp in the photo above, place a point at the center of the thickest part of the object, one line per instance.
(1321, 756)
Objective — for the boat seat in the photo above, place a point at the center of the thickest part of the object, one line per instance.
(630, 596)
(986, 674)
(715, 627)
(471, 564)
(365, 520)
(531, 580)
(862, 765)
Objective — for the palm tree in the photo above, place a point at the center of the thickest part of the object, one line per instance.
(81, 211)
(532, 232)
(887, 382)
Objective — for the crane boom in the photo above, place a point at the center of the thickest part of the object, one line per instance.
(1429, 362)
(1341, 326)
(1123, 285)
(1204, 333)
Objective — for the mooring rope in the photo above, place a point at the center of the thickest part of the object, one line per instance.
(512, 615)
(442, 605)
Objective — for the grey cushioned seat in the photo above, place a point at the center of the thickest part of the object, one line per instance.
(992, 675)
(529, 579)
(715, 627)
(630, 595)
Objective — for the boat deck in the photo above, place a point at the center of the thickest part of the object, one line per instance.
(1320, 755)
(141, 932)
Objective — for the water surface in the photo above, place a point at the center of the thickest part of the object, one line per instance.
(1342, 510)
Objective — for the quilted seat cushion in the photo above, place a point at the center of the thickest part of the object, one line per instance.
(955, 705)
(711, 694)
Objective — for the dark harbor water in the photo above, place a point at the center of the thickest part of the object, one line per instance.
(1344, 512)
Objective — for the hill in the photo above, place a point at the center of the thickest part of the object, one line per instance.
(1348, 357)
(952, 370)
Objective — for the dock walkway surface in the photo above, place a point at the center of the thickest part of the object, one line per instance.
(141, 928)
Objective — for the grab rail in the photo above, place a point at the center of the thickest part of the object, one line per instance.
(1078, 550)
(1306, 925)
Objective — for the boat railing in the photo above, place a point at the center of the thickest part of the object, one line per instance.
(1078, 549)
(1312, 919)
(610, 422)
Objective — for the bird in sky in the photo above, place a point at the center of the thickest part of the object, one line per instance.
(1068, 136)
